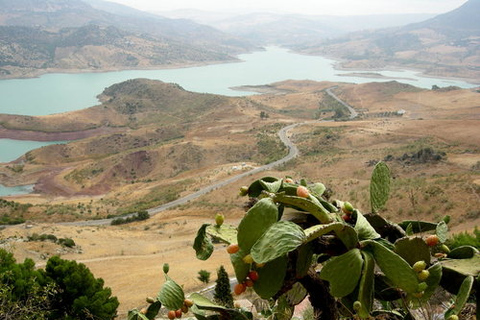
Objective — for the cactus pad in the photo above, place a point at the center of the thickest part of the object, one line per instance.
(171, 295)
(256, 221)
(343, 272)
(281, 238)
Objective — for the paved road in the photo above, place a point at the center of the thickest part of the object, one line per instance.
(353, 113)
(283, 135)
(292, 153)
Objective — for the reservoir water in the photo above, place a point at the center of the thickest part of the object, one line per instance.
(56, 93)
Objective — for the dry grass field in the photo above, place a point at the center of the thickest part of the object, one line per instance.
(130, 257)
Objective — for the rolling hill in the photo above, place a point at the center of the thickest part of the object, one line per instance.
(446, 45)
(292, 29)
(46, 34)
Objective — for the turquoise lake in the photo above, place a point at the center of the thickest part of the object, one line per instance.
(56, 93)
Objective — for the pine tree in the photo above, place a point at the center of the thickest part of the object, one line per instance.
(223, 293)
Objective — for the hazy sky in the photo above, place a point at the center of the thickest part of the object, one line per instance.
(329, 7)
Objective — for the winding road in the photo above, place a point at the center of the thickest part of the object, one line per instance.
(283, 135)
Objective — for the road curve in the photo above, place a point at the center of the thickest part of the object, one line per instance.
(283, 135)
(353, 113)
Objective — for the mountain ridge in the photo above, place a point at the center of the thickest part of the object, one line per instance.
(438, 45)
(154, 41)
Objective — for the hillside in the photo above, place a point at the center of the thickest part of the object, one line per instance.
(446, 45)
(75, 35)
(266, 28)
(156, 147)
(148, 140)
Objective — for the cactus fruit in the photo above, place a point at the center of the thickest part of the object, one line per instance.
(219, 218)
(419, 266)
(233, 248)
(249, 283)
(422, 286)
(302, 192)
(166, 268)
(178, 313)
(423, 275)
(248, 259)
(253, 275)
(432, 240)
(347, 208)
(150, 300)
(243, 191)
(445, 249)
(357, 305)
(171, 314)
(188, 302)
(239, 288)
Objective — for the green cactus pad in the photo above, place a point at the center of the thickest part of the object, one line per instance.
(394, 267)
(365, 287)
(442, 231)
(283, 310)
(343, 272)
(171, 295)
(317, 189)
(432, 281)
(203, 303)
(463, 252)
(412, 250)
(319, 230)
(379, 186)
(136, 315)
(347, 234)
(281, 238)
(364, 229)
(315, 208)
(256, 188)
(203, 245)
(241, 268)
(462, 297)
(296, 295)
(271, 186)
(153, 309)
(270, 277)
(418, 226)
(225, 233)
(304, 260)
(256, 221)
(466, 267)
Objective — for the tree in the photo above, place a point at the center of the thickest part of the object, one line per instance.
(223, 292)
(204, 276)
(24, 291)
(80, 295)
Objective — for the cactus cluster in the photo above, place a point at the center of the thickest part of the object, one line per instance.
(334, 253)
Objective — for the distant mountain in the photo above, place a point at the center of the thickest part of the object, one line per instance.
(109, 36)
(293, 29)
(446, 45)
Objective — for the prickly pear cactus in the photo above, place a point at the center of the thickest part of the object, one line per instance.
(332, 252)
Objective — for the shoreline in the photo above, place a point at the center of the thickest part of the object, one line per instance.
(421, 72)
(39, 136)
(36, 73)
